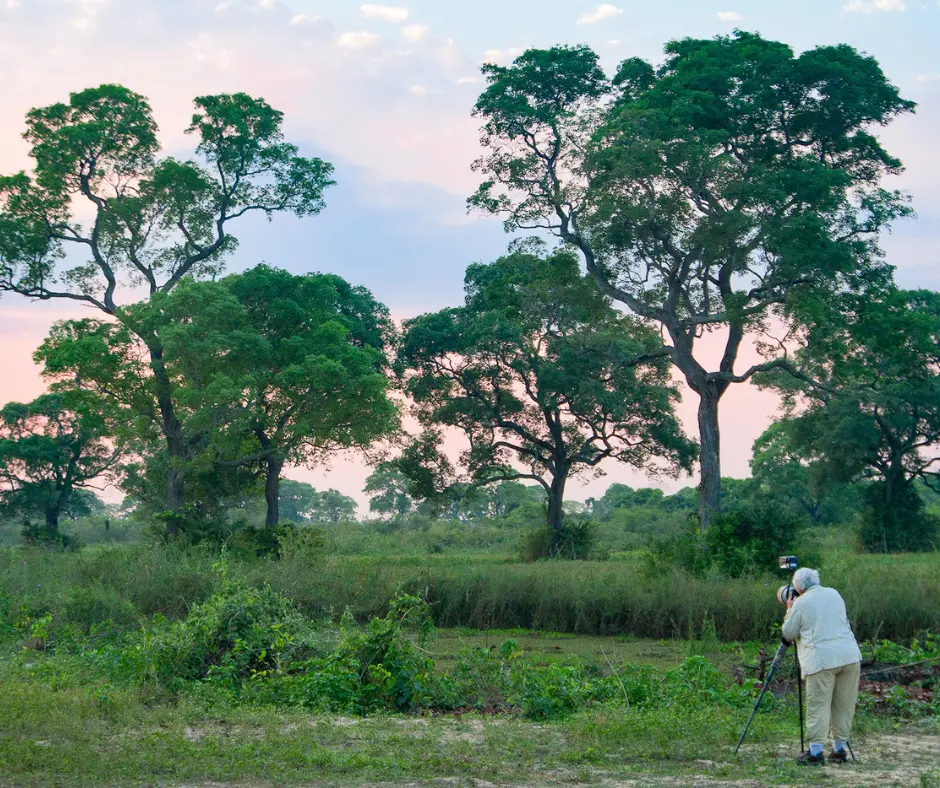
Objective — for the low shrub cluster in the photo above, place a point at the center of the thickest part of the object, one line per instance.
(253, 646)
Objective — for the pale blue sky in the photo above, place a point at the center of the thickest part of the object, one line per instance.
(384, 92)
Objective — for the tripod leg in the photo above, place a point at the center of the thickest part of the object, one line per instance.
(770, 674)
(799, 694)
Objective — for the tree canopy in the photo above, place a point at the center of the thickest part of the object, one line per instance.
(543, 377)
(273, 368)
(708, 194)
(153, 221)
(868, 406)
(50, 448)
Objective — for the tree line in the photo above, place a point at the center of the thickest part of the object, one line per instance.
(736, 190)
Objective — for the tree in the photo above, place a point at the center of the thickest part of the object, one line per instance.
(868, 407)
(333, 507)
(709, 194)
(544, 378)
(153, 221)
(497, 501)
(297, 501)
(51, 448)
(274, 368)
(387, 489)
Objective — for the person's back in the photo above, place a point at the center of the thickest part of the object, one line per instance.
(830, 660)
(819, 625)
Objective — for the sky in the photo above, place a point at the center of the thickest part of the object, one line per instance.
(384, 92)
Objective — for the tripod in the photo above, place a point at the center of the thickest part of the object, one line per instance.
(778, 658)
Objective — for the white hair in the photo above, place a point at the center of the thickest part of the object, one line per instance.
(805, 578)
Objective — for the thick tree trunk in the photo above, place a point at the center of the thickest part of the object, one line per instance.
(172, 432)
(709, 457)
(52, 520)
(556, 499)
(272, 482)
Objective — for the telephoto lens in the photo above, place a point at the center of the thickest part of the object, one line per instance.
(785, 593)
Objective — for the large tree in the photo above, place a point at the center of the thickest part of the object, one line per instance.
(868, 407)
(50, 449)
(708, 194)
(544, 377)
(102, 215)
(273, 368)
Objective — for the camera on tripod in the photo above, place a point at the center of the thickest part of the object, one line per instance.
(787, 563)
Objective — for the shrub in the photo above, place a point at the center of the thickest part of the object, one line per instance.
(40, 535)
(235, 634)
(576, 541)
(738, 541)
(903, 526)
(371, 668)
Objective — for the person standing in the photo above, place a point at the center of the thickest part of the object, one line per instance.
(830, 661)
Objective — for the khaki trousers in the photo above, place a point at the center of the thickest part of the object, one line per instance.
(830, 703)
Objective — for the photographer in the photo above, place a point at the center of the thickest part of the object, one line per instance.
(830, 660)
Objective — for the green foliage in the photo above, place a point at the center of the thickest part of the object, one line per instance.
(273, 368)
(738, 542)
(575, 541)
(49, 448)
(387, 489)
(867, 406)
(544, 378)
(235, 634)
(768, 181)
(897, 523)
(155, 222)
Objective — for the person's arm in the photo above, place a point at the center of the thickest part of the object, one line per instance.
(791, 623)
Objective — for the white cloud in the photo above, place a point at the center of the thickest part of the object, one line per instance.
(207, 49)
(415, 33)
(928, 77)
(266, 3)
(222, 8)
(357, 40)
(419, 90)
(868, 6)
(729, 16)
(304, 19)
(614, 42)
(11, 4)
(599, 14)
(467, 81)
(500, 56)
(81, 23)
(387, 13)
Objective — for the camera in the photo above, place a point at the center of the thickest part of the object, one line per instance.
(787, 563)
(786, 593)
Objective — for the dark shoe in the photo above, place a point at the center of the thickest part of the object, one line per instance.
(838, 756)
(808, 759)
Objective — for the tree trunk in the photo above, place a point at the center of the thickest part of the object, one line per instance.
(172, 431)
(556, 499)
(272, 484)
(709, 457)
(52, 520)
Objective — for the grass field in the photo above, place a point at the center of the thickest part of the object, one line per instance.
(143, 666)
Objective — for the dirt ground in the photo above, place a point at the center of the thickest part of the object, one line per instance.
(896, 761)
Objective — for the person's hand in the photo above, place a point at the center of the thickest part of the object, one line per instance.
(790, 602)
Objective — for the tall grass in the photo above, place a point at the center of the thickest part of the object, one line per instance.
(887, 597)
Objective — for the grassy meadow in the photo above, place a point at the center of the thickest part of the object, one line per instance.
(355, 657)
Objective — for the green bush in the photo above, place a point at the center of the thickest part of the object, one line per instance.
(740, 541)
(903, 526)
(576, 541)
(237, 633)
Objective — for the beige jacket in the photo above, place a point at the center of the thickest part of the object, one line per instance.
(819, 625)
